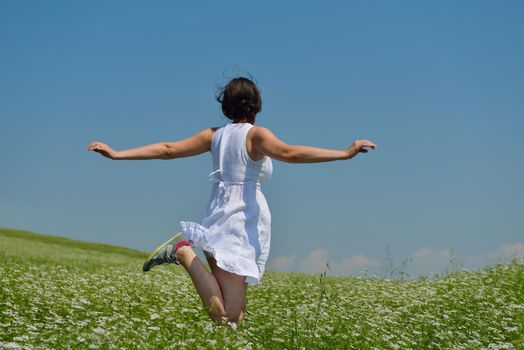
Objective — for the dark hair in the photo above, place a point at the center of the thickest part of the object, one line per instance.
(240, 99)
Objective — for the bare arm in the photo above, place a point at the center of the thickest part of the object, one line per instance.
(266, 143)
(192, 146)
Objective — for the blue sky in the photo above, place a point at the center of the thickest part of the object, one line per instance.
(439, 86)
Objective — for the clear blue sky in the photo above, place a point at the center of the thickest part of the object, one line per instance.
(439, 86)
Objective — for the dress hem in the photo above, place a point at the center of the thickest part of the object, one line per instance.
(196, 234)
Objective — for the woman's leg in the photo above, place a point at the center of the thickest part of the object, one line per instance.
(233, 289)
(222, 293)
(205, 283)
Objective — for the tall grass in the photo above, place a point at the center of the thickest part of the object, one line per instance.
(57, 293)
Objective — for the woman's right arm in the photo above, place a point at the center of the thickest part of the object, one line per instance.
(266, 143)
(192, 146)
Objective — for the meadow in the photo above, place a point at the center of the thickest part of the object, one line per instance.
(57, 293)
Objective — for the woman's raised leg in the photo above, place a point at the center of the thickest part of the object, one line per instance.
(222, 293)
(234, 290)
(205, 283)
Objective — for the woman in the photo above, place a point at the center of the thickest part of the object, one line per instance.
(235, 232)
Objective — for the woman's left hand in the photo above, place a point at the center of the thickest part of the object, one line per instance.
(360, 144)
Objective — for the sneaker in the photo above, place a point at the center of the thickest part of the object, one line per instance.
(166, 252)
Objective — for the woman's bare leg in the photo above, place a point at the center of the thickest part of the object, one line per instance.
(205, 283)
(222, 293)
(234, 290)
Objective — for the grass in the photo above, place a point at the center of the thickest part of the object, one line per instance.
(57, 293)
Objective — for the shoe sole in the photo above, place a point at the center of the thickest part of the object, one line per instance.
(158, 249)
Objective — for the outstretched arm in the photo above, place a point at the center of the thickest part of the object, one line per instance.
(266, 143)
(192, 146)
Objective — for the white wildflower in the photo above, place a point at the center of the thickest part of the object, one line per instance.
(21, 338)
(99, 330)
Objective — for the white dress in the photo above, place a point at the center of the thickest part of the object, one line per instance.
(236, 229)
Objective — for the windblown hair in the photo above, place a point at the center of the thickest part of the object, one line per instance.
(240, 99)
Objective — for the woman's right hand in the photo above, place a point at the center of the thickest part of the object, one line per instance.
(103, 149)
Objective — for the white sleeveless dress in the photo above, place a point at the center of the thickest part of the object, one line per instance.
(236, 229)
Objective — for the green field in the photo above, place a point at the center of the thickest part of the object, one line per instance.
(57, 293)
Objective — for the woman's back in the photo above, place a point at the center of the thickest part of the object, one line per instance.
(231, 161)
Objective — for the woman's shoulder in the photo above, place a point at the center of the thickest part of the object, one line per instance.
(208, 133)
(258, 131)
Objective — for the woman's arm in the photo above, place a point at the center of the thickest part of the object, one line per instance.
(192, 146)
(268, 144)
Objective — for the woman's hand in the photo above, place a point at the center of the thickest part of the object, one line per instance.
(103, 149)
(358, 147)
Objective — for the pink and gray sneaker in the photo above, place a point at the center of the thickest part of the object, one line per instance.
(166, 252)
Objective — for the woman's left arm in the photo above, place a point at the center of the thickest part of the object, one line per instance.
(192, 146)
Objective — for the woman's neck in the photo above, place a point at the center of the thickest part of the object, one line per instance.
(245, 120)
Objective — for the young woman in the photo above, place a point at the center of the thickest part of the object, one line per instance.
(235, 232)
